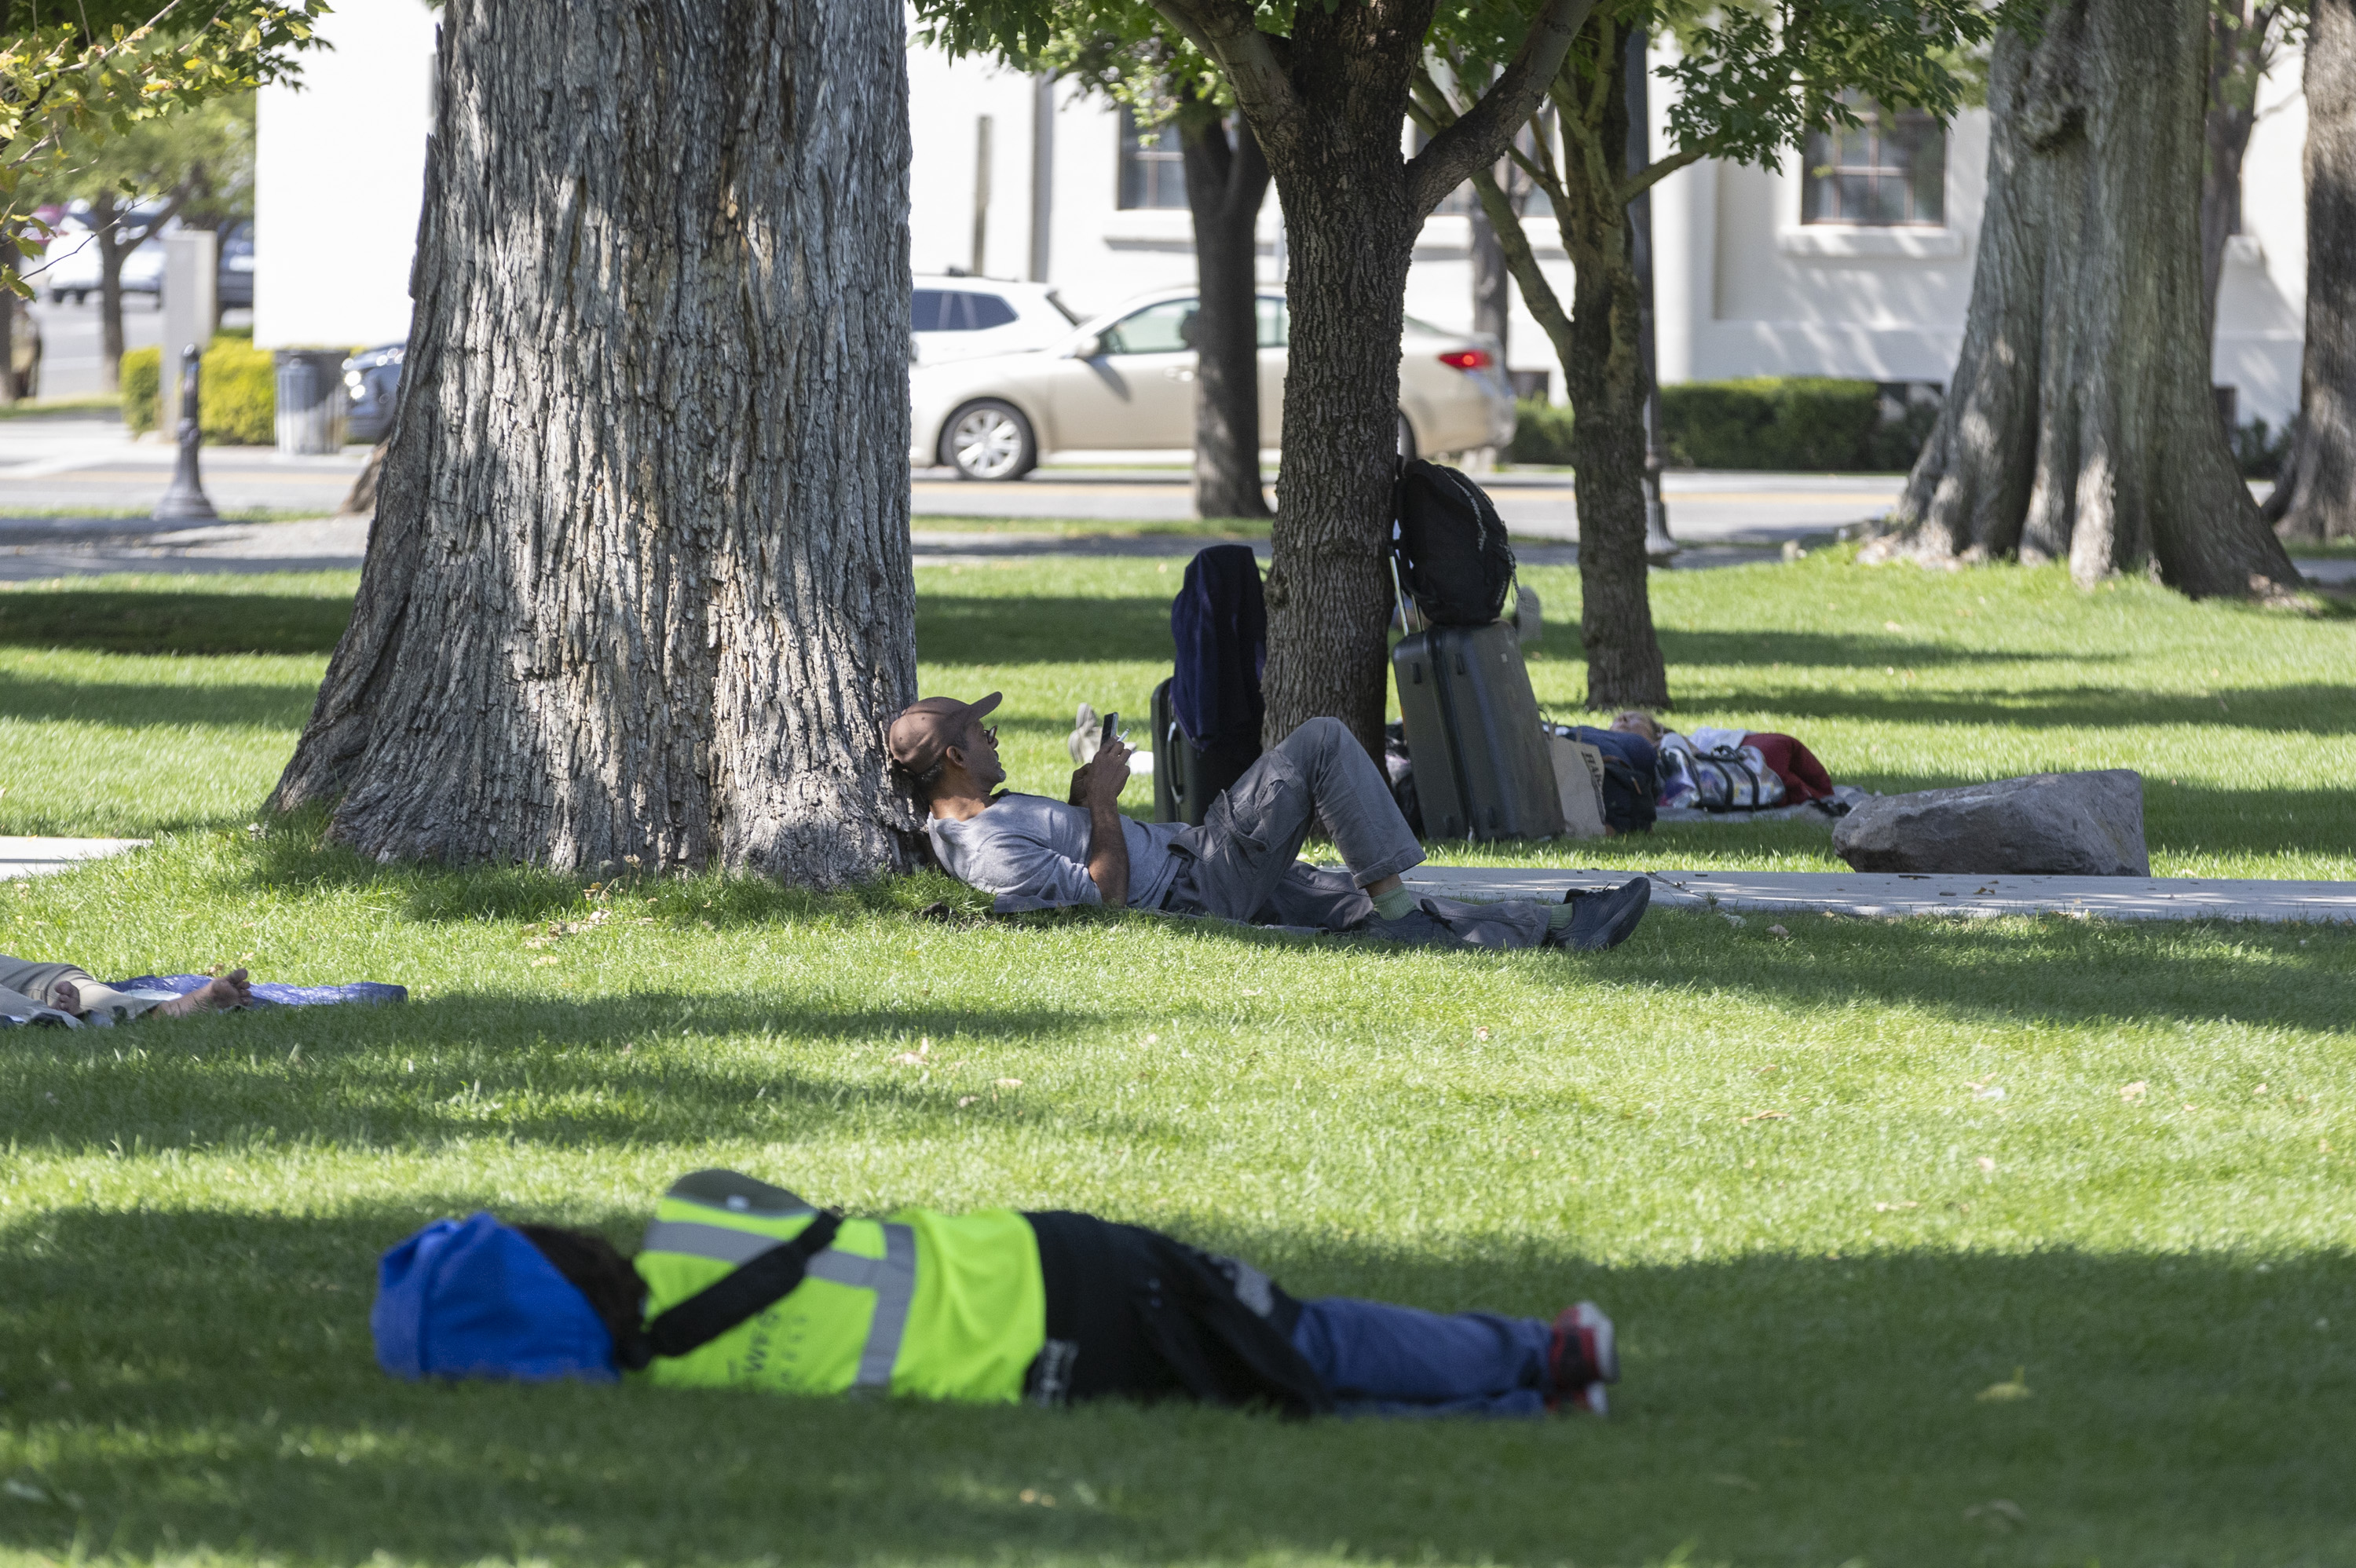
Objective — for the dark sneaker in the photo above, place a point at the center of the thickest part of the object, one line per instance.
(1581, 1359)
(1606, 918)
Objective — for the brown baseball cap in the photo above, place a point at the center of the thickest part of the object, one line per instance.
(923, 730)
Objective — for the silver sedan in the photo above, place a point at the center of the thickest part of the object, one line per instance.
(1125, 381)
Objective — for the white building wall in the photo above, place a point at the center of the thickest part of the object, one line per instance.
(339, 175)
(1744, 287)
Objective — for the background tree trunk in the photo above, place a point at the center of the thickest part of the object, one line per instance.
(2315, 497)
(2238, 35)
(1225, 182)
(638, 586)
(1493, 312)
(1605, 377)
(106, 225)
(2080, 423)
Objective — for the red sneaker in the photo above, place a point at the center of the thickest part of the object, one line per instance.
(1581, 1359)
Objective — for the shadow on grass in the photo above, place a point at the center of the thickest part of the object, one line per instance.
(294, 857)
(2312, 709)
(145, 621)
(1823, 650)
(1776, 1408)
(954, 628)
(137, 706)
(553, 1071)
(2052, 968)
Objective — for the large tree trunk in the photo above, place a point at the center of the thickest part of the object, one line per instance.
(2315, 497)
(1225, 181)
(639, 589)
(1328, 592)
(2080, 424)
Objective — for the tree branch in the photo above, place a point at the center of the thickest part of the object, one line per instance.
(1482, 133)
(1253, 60)
(1657, 171)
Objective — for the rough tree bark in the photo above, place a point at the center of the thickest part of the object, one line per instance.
(1328, 104)
(639, 589)
(2315, 498)
(1227, 178)
(2079, 424)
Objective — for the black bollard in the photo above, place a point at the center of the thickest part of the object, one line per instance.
(185, 502)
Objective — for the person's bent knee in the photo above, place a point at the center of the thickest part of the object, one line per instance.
(1323, 733)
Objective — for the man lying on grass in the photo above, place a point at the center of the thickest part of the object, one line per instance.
(1241, 864)
(30, 989)
(743, 1284)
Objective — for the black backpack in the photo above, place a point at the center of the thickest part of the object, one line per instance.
(1628, 802)
(1450, 546)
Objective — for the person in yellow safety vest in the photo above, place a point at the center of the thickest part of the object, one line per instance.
(740, 1283)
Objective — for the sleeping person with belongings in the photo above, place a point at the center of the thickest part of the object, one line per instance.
(743, 1284)
(1241, 864)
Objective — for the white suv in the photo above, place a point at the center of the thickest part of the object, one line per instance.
(955, 316)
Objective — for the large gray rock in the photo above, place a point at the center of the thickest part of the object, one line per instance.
(2062, 824)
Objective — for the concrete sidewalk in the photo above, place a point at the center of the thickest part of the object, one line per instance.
(39, 857)
(1882, 893)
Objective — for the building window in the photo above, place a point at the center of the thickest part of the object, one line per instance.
(1152, 168)
(1890, 171)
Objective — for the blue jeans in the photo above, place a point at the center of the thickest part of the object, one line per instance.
(1380, 1359)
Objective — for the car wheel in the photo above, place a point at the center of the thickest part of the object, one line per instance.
(1406, 439)
(988, 440)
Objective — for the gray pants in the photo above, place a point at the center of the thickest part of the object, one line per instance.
(1243, 862)
(27, 987)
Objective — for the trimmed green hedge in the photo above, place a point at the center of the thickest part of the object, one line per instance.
(1788, 423)
(1541, 432)
(238, 402)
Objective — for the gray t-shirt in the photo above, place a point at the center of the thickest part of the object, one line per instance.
(1033, 852)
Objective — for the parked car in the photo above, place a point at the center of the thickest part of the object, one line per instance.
(372, 378)
(953, 317)
(233, 283)
(1126, 379)
(70, 267)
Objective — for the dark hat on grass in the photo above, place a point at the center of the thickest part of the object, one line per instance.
(925, 730)
(474, 1298)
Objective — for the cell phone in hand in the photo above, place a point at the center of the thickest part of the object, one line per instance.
(1111, 722)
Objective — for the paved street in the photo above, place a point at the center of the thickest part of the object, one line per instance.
(61, 478)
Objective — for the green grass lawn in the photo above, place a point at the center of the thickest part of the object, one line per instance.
(1836, 1186)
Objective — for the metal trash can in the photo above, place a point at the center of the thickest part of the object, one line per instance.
(311, 399)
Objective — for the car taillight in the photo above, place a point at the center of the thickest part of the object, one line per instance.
(1467, 359)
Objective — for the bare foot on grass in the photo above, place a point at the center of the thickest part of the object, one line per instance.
(65, 996)
(219, 994)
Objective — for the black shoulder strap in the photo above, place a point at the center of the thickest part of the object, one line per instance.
(721, 1305)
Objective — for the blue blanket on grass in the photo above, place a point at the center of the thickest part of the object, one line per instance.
(269, 994)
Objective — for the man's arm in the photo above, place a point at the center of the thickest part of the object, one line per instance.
(1101, 783)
